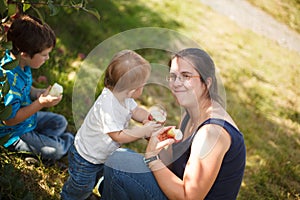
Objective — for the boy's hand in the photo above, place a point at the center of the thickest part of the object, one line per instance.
(47, 100)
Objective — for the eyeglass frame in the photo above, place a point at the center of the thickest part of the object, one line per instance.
(181, 77)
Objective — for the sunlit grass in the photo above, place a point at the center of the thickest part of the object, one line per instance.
(286, 11)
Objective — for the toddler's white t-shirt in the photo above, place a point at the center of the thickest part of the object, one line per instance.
(106, 115)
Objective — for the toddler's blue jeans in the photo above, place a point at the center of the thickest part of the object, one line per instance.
(83, 176)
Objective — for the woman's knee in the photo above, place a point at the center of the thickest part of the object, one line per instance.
(127, 161)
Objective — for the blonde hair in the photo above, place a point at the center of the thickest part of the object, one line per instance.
(126, 71)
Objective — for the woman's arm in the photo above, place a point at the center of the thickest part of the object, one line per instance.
(202, 167)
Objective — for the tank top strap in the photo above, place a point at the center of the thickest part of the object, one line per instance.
(221, 122)
(184, 122)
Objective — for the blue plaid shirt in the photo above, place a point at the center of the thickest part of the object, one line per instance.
(20, 82)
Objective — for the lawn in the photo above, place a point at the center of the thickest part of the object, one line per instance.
(261, 80)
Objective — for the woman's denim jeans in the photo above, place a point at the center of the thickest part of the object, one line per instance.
(83, 176)
(127, 177)
(48, 139)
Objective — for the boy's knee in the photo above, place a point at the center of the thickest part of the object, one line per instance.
(63, 121)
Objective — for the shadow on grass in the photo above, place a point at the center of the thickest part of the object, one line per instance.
(21, 180)
(81, 31)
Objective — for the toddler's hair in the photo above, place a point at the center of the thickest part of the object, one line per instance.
(126, 71)
(30, 35)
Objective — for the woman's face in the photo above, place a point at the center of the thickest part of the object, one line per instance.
(185, 82)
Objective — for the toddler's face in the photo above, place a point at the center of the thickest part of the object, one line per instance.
(138, 92)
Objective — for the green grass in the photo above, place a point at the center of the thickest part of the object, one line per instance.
(260, 77)
(286, 11)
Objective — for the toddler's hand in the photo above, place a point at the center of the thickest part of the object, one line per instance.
(150, 128)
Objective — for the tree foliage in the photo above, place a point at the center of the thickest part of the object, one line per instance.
(12, 9)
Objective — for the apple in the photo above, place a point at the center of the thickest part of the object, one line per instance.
(175, 134)
(158, 116)
(56, 90)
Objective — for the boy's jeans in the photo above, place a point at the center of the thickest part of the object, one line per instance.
(49, 138)
(127, 177)
(83, 176)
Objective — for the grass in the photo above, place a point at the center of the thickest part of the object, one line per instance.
(260, 77)
(286, 11)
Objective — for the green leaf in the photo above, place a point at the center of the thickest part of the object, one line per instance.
(5, 88)
(4, 16)
(6, 45)
(2, 106)
(93, 12)
(3, 7)
(10, 65)
(26, 6)
(53, 9)
(83, 3)
(4, 139)
(38, 13)
(5, 113)
(3, 78)
(76, 5)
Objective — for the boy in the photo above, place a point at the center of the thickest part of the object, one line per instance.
(31, 130)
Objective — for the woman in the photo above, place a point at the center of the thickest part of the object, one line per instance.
(208, 163)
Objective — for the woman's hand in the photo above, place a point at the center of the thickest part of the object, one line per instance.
(158, 141)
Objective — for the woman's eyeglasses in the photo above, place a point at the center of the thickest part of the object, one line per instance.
(182, 77)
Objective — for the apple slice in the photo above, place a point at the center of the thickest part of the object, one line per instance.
(175, 134)
(56, 90)
(158, 114)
